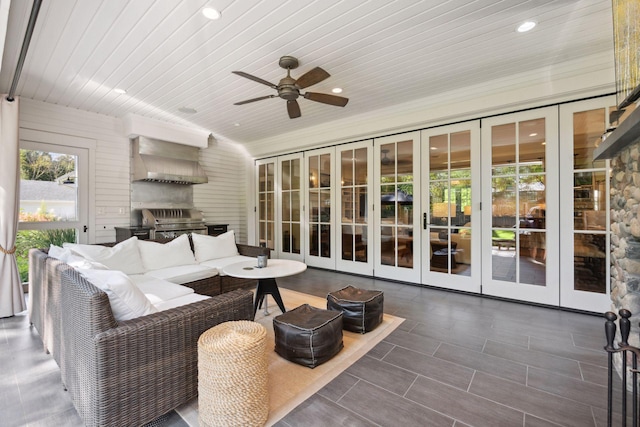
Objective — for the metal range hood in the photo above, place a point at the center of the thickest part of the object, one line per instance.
(161, 161)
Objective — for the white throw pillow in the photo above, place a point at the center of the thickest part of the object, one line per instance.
(125, 256)
(162, 255)
(75, 261)
(127, 301)
(214, 247)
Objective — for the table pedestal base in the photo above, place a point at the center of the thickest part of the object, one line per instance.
(267, 287)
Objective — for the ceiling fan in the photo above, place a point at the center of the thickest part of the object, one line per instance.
(289, 88)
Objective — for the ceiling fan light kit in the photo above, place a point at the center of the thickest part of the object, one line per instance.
(289, 88)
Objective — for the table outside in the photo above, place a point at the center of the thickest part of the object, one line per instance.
(266, 277)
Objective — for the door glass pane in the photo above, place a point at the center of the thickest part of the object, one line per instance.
(533, 257)
(286, 175)
(314, 239)
(387, 246)
(503, 205)
(314, 172)
(295, 206)
(286, 206)
(286, 237)
(405, 247)
(295, 174)
(589, 201)
(531, 145)
(360, 243)
(348, 244)
(295, 238)
(405, 204)
(503, 149)
(360, 175)
(590, 257)
(360, 201)
(460, 154)
(48, 187)
(387, 163)
(347, 167)
(588, 127)
(347, 205)
(438, 157)
(532, 201)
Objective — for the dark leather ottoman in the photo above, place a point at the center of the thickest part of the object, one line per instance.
(362, 308)
(307, 335)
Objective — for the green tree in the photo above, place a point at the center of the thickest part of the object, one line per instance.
(41, 166)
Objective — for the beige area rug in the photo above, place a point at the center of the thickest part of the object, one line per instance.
(291, 384)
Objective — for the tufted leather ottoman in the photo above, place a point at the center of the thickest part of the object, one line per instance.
(307, 335)
(362, 308)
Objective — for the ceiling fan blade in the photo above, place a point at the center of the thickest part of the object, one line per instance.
(338, 101)
(255, 99)
(312, 77)
(293, 108)
(255, 79)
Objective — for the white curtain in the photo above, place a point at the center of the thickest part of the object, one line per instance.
(11, 295)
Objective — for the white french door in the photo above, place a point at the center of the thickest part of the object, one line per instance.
(584, 213)
(397, 215)
(319, 171)
(520, 255)
(289, 195)
(354, 233)
(451, 227)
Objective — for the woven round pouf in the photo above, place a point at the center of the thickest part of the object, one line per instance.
(232, 375)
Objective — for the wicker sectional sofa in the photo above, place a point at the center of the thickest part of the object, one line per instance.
(126, 372)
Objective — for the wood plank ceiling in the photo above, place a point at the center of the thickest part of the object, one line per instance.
(382, 53)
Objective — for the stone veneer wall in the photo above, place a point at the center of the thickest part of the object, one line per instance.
(625, 236)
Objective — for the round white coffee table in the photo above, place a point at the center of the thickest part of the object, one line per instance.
(266, 277)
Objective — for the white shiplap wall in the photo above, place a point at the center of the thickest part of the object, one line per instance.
(223, 199)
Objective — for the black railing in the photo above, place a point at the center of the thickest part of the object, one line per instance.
(628, 353)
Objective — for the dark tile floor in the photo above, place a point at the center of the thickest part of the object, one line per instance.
(458, 360)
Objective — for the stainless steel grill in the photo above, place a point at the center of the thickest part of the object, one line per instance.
(167, 223)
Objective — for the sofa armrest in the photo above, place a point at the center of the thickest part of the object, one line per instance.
(252, 251)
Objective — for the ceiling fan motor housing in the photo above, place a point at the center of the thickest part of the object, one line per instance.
(287, 89)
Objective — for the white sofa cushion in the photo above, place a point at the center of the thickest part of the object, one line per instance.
(158, 290)
(214, 247)
(127, 301)
(183, 273)
(220, 263)
(177, 302)
(156, 256)
(124, 256)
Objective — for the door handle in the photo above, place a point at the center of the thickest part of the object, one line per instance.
(424, 220)
(84, 228)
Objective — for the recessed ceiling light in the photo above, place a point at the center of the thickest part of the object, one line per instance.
(236, 124)
(533, 134)
(211, 13)
(187, 110)
(544, 143)
(434, 148)
(526, 26)
(336, 90)
(120, 91)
